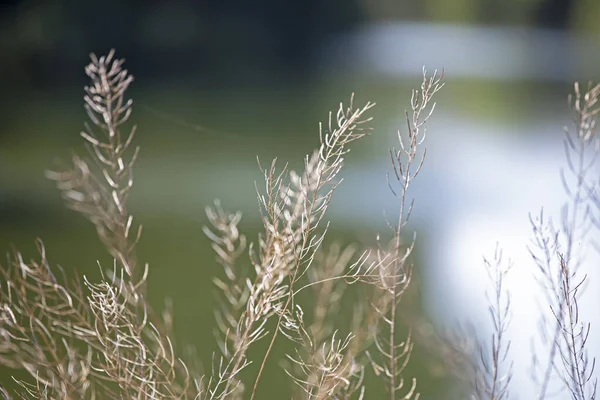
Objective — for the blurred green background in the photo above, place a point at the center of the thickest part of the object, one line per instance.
(219, 83)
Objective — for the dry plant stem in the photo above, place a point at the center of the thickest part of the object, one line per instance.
(100, 191)
(250, 331)
(579, 373)
(101, 342)
(99, 188)
(576, 219)
(323, 366)
(228, 244)
(363, 269)
(292, 211)
(393, 367)
(78, 346)
(328, 292)
(489, 382)
(306, 199)
(542, 251)
(327, 372)
(38, 336)
(330, 369)
(406, 164)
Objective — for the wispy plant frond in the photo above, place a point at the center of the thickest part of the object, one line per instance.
(293, 210)
(327, 372)
(45, 328)
(79, 340)
(578, 373)
(492, 377)
(229, 244)
(554, 252)
(293, 206)
(327, 288)
(99, 188)
(394, 264)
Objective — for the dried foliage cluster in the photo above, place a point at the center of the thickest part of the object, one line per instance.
(79, 339)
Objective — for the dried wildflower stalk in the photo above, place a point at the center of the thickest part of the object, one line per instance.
(80, 345)
(578, 373)
(99, 191)
(558, 264)
(394, 264)
(45, 328)
(228, 244)
(325, 366)
(292, 212)
(491, 381)
(327, 289)
(293, 206)
(327, 370)
(99, 338)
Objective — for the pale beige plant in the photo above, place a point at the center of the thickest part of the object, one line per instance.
(293, 207)
(93, 339)
(559, 265)
(394, 259)
(492, 379)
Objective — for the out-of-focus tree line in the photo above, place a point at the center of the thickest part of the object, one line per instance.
(204, 40)
(44, 43)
